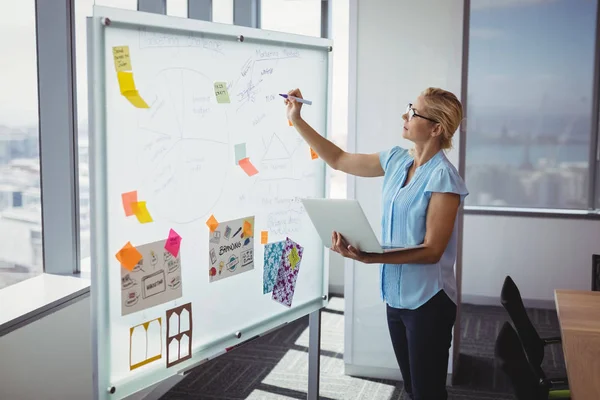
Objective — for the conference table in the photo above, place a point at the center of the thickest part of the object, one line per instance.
(579, 317)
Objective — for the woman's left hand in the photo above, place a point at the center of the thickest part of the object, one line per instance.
(341, 246)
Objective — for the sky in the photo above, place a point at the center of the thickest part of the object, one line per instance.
(531, 55)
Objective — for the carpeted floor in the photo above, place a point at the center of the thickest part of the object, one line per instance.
(276, 366)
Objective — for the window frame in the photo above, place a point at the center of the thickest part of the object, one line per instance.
(594, 193)
(58, 151)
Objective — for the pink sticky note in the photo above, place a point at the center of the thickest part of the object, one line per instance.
(247, 166)
(129, 198)
(173, 243)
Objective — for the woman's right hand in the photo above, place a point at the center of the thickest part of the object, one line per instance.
(292, 106)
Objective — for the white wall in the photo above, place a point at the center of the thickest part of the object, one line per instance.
(540, 254)
(400, 47)
(49, 359)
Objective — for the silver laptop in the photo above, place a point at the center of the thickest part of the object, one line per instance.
(347, 217)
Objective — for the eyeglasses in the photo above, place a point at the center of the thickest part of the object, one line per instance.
(411, 113)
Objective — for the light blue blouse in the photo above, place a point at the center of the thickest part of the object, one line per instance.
(403, 223)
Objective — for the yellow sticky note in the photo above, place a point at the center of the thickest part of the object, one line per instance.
(248, 229)
(221, 92)
(129, 256)
(126, 82)
(212, 223)
(137, 100)
(264, 237)
(122, 58)
(127, 87)
(294, 258)
(313, 155)
(141, 212)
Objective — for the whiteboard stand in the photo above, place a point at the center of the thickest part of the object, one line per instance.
(314, 354)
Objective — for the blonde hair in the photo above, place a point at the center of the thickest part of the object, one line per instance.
(444, 107)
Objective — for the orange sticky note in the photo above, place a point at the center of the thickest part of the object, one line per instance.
(129, 198)
(247, 166)
(290, 123)
(247, 229)
(129, 256)
(141, 212)
(212, 223)
(264, 237)
(313, 155)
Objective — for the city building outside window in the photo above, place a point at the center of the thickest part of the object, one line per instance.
(20, 205)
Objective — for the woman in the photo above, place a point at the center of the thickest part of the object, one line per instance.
(422, 192)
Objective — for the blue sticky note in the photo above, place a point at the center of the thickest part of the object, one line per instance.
(273, 258)
(240, 152)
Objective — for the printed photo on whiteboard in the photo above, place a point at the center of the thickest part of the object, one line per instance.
(155, 279)
(287, 275)
(234, 252)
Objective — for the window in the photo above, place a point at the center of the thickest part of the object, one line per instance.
(20, 218)
(530, 103)
(222, 11)
(177, 8)
(293, 16)
(339, 108)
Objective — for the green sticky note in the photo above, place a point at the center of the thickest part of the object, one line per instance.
(221, 92)
(240, 152)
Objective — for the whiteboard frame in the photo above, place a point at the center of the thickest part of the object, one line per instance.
(104, 18)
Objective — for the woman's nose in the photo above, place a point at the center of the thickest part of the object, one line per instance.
(405, 117)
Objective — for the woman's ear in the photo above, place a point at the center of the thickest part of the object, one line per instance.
(437, 130)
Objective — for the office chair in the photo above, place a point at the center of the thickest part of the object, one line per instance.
(532, 343)
(596, 272)
(528, 382)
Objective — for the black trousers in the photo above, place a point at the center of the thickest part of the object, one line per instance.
(421, 340)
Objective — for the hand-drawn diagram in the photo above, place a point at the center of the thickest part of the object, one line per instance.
(155, 280)
(277, 161)
(187, 138)
(185, 143)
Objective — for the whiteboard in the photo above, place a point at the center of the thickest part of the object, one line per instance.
(170, 139)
